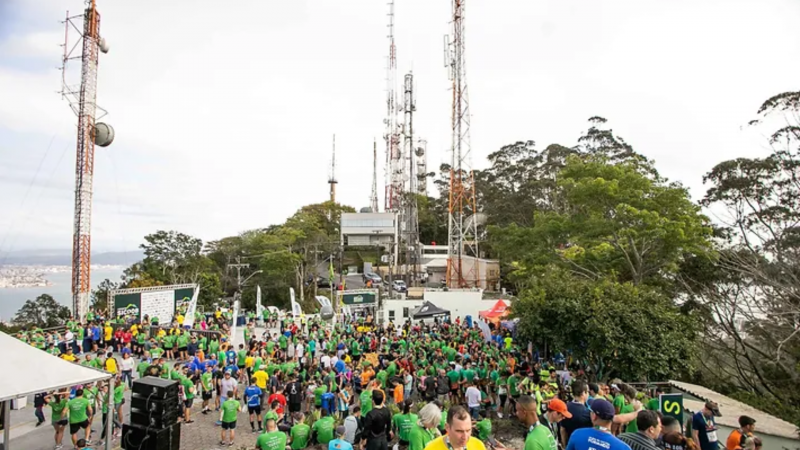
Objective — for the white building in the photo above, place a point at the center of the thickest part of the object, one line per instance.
(460, 303)
(363, 229)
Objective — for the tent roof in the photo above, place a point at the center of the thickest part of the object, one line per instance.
(499, 309)
(39, 371)
(428, 309)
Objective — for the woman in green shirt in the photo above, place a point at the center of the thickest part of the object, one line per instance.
(425, 430)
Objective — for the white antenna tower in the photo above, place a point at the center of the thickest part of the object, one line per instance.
(373, 199)
(394, 160)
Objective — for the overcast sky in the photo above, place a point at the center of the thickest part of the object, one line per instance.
(224, 111)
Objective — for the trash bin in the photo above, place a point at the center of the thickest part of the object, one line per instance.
(19, 403)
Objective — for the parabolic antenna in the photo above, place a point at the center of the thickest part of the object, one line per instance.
(103, 134)
(326, 312)
(103, 45)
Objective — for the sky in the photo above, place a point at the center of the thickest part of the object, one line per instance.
(224, 111)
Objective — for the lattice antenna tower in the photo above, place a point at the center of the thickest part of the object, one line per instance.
(373, 199)
(394, 162)
(82, 100)
(332, 176)
(421, 154)
(410, 212)
(462, 228)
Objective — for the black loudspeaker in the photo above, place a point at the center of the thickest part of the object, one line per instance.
(155, 388)
(153, 420)
(157, 406)
(135, 437)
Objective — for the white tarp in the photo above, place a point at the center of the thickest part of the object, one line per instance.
(37, 371)
(259, 308)
(296, 310)
(159, 304)
(234, 337)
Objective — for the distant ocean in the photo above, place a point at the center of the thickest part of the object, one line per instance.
(11, 299)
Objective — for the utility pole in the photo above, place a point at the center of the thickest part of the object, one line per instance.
(332, 179)
(83, 102)
(373, 199)
(238, 266)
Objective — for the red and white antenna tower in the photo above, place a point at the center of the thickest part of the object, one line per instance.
(83, 101)
(394, 158)
(462, 224)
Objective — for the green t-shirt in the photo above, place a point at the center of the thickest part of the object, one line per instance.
(454, 377)
(205, 381)
(632, 427)
(270, 415)
(540, 438)
(652, 405)
(188, 388)
(403, 424)
(183, 340)
(484, 428)
(78, 410)
(469, 374)
(318, 394)
(58, 408)
(230, 410)
(119, 394)
(324, 429)
(512, 385)
(619, 402)
(300, 434)
(275, 440)
(419, 437)
(213, 347)
(366, 402)
(156, 352)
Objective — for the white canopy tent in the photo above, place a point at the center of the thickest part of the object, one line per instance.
(42, 373)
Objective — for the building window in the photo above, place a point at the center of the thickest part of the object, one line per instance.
(367, 223)
(391, 314)
(405, 313)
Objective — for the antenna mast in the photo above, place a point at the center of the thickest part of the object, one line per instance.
(332, 178)
(373, 199)
(83, 102)
(410, 213)
(394, 163)
(462, 226)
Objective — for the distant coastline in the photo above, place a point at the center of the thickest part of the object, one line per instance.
(33, 276)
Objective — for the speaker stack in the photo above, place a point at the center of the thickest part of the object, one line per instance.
(155, 407)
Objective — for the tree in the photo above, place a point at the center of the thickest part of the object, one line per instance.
(753, 343)
(615, 329)
(43, 312)
(101, 293)
(173, 257)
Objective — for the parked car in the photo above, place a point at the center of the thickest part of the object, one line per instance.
(399, 286)
(321, 282)
(376, 279)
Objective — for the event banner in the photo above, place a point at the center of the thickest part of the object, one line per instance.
(161, 303)
(672, 405)
(359, 297)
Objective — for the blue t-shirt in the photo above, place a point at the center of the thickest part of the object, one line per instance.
(253, 396)
(591, 438)
(339, 367)
(339, 444)
(705, 426)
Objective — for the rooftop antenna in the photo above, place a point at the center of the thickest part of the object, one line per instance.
(373, 200)
(332, 178)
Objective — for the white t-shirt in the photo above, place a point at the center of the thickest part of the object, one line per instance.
(126, 364)
(68, 337)
(226, 385)
(473, 397)
(326, 361)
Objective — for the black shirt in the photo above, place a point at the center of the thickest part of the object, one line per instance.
(581, 418)
(377, 424)
(294, 392)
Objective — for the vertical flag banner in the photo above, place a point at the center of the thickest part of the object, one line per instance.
(188, 318)
(259, 308)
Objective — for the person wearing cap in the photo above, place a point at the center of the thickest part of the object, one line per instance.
(556, 411)
(262, 377)
(602, 412)
(704, 428)
(272, 439)
(339, 443)
(747, 426)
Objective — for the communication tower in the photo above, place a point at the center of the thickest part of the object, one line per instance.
(410, 213)
(421, 154)
(462, 227)
(82, 100)
(373, 199)
(332, 177)
(394, 160)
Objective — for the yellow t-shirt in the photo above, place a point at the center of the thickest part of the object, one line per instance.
(261, 379)
(179, 319)
(68, 357)
(108, 331)
(439, 444)
(134, 330)
(249, 361)
(111, 365)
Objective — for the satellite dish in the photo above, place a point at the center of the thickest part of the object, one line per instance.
(103, 134)
(326, 313)
(103, 45)
(420, 151)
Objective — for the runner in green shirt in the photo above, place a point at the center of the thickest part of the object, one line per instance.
(230, 411)
(299, 433)
(79, 411)
(402, 423)
(324, 428)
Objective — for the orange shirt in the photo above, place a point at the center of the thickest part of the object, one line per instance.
(366, 376)
(398, 393)
(734, 440)
(511, 363)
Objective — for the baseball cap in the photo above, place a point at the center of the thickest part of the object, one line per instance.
(714, 408)
(262, 367)
(560, 407)
(602, 408)
(340, 430)
(228, 372)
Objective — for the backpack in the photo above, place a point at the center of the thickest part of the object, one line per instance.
(329, 402)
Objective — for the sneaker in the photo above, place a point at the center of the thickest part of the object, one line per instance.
(499, 415)
(39, 423)
(58, 446)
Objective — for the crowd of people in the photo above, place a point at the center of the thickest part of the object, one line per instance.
(353, 384)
